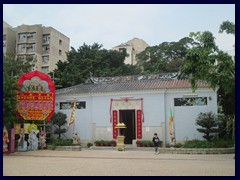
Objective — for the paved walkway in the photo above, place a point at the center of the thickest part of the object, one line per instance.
(116, 163)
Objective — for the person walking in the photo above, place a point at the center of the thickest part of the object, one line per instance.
(156, 142)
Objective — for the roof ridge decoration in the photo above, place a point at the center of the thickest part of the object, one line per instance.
(165, 76)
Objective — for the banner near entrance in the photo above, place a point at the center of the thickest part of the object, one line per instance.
(72, 118)
(115, 121)
(139, 124)
(36, 98)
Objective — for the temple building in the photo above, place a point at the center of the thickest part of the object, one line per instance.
(145, 104)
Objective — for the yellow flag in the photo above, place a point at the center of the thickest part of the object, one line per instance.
(72, 118)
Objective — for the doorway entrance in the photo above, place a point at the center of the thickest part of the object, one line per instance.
(128, 118)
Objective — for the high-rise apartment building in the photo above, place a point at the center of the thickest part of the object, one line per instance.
(44, 45)
(132, 47)
(9, 39)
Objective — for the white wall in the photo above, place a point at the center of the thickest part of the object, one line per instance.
(185, 116)
(83, 117)
(93, 121)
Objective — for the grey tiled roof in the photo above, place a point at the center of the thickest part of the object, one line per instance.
(129, 85)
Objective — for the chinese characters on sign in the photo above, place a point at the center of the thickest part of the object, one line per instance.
(35, 106)
(36, 99)
(115, 121)
(139, 124)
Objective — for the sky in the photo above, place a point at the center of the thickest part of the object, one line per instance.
(113, 24)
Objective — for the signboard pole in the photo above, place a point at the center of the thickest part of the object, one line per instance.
(44, 125)
(12, 140)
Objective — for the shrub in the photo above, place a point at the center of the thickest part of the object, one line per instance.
(113, 143)
(195, 144)
(102, 142)
(178, 145)
(225, 126)
(59, 120)
(139, 143)
(107, 143)
(208, 122)
(97, 143)
(150, 143)
(223, 143)
(60, 142)
(217, 143)
(146, 143)
(89, 144)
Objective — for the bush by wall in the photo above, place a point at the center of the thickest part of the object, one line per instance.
(218, 143)
(105, 143)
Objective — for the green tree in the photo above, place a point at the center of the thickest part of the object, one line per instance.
(204, 61)
(91, 59)
(13, 68)
(59, 119)
(208, 121)
(226, 125)
(164, 58)
(227, 100)
(9, 100)
(228, 27)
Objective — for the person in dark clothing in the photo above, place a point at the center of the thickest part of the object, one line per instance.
(156, 142)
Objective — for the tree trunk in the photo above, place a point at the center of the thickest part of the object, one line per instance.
(59, 134)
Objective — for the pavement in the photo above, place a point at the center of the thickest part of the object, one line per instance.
(90, 162)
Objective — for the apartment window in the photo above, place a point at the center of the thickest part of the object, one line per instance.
(45, 69)
(45, 48)
(21, 57)
(21, 47)
(22, 37)
(30, 57)
(45, 59)
(46, 38)
(60, 42)
(31, 36)
(60, 52)
(31, 47)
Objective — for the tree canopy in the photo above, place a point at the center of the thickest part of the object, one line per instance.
(196, 57)
(91, 60)
(204, 61)
(59, 119)
(13, 68)
(164, 58)
(208, 122)
(228, 27)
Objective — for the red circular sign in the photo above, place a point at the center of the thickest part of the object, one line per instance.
(36, 98)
